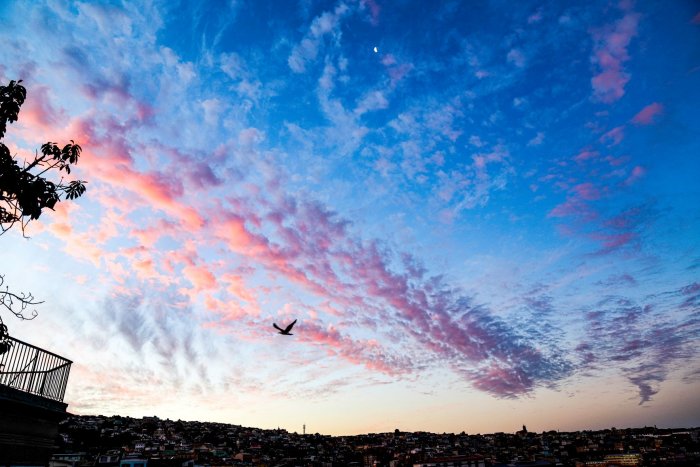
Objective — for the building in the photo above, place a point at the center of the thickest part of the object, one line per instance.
(453, 461)
(133, 462)
(32, 385)
(623, 459)
(67, 459)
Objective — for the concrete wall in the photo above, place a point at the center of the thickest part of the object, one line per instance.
(28, 428)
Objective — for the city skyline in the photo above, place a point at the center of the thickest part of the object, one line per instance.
(86, 438)
(479, 214)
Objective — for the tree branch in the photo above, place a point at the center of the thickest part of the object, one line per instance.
(18, 304)
(37, 160)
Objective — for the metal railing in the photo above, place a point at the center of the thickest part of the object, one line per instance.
(34, 370)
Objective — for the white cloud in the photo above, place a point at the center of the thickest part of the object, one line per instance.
(212, 110)
(516, 57)
(373, 100)
(328, 23)
(537, 140)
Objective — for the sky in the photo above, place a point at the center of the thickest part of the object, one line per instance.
(483, 214)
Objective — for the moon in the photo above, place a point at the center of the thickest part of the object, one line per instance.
(375, 49)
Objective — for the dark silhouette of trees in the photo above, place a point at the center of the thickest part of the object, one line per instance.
(26, 190)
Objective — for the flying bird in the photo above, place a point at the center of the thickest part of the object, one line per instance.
(286, 330)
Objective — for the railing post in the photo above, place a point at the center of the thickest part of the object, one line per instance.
(31, 375)
(43, 382)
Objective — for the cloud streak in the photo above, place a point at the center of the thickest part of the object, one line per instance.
(610, 54)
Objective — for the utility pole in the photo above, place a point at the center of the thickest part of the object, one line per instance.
(304, 428)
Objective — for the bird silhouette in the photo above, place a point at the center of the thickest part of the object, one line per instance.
(286, 330)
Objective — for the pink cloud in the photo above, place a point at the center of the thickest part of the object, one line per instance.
(144, 112)
(148, 236)
(637, 172)
(161, 190)
(614, 241)
(81, 245)
(228, 311)
(612, 234)
(109, 159)
(235, 285)
(118, 90)
(537, 139)
(369, 353)
(502, 380)
(199, 174)
(250, 136)
(145, 269)
(617, 161)
(516, 57)
(234, 233)
(609, 85)
(626, 220)
(609, 54)
(585, 155)
(587, 191)
(38, 112)
(200, 277)
(614, 136)
(388, 60)
(110, 225)
(572, 207)
(374, 10)
(618, 232)
(498, 154)
(618, 280)
(536, 17)
(61, 229)
(648, 114)
(397, 71)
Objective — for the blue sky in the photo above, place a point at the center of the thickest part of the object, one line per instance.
(464, 204)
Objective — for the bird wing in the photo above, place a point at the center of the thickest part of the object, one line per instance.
(277, 327)
(289, 328)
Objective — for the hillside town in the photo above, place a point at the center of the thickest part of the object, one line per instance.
(101, 441)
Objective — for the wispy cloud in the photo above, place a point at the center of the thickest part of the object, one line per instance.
(610, 53)
(650, 343)
(326, 24)
(648, 114)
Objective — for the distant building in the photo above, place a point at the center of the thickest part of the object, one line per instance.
(623, 459)
(522, 433)
(133, 462)
(67, 460)
(108, 459)
(453, 461)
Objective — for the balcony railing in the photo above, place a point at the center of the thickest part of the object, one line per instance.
(34, 370)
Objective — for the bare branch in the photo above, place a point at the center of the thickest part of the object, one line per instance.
(18, 304)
